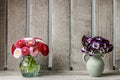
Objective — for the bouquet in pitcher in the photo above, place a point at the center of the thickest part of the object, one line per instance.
(94, 48)
(95, 45)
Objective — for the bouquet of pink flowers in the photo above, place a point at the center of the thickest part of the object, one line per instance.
(29, 46)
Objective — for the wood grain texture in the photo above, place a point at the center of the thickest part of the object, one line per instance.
(103, 25)
(39, 24)
(117, 54)
(60, 33)
(2, 22)
(81, 25)
(16, 27)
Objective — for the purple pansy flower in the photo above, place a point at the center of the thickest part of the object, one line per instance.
(91, 53)
(86, 40)
(95, 45)
(83, 50)
(92, 45)
(110, 48)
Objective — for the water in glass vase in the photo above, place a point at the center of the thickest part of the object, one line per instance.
(28, 67)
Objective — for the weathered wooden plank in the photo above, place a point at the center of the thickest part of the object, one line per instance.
(39, 24)
(2, 26)
(16, 27)
(103, 25)
(117, 35)
(81, 25)
(60, 33)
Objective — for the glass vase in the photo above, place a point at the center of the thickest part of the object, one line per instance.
(28, 67)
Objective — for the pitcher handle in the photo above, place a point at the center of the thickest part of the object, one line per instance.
(84, 58)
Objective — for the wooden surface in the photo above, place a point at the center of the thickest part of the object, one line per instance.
(39, 24)
(60, 75)
(2, 22)
(16, 27)
(80, 25)
(60, 34)
(103, 25)
(117, 35)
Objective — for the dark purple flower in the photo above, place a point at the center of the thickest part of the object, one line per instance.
(86, 40)
(110, 48)
(98, 38)
(96, 45)
(105, 43)
(89, 39)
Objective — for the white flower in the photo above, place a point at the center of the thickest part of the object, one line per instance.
(17, 53)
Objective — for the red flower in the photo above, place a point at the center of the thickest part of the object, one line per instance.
(13, 48)
(20, 43)
(30, 43)
(43, 48)
(25, 51)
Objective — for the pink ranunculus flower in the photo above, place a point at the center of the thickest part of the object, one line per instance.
(29, 47)
(25, 51)
(17, 53)
(20, 43)
(33, 51)
(30, 42)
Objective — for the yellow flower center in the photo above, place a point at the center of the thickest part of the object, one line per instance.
(19, 42)
(30, 42)
(17, 52)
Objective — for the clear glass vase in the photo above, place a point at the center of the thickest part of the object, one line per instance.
(28, 67)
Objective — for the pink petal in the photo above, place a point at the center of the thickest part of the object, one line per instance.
(33, 51)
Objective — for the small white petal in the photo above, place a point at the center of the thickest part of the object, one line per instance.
(39, 40)
(28, 38)
(83, 49)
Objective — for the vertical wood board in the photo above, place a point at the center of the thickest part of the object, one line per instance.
(16, 27)
(117, 54)
(103, 25)
(81, 25)
(2, 25)
(60, 33)
(39, 24)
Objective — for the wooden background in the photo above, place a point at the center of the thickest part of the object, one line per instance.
(71, 19)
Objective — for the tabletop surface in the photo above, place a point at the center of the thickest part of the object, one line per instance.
(60, 75)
